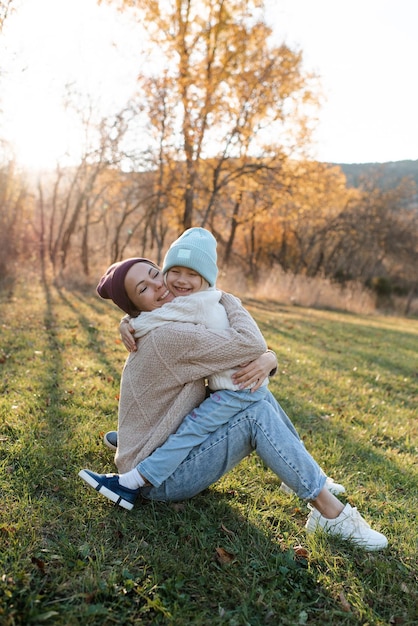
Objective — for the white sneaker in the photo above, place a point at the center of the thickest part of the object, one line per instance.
(348, 525)
(332, 486)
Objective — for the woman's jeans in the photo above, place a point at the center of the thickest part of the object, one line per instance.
(212, 413)
(263, 427)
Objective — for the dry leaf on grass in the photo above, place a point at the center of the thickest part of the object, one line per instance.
(223, 556)
(40, 564)
(300, 552)
(344, 602)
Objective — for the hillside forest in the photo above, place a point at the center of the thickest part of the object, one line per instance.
(218, 134)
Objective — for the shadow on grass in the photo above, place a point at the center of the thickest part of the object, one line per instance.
(197, 562)
(89, 326)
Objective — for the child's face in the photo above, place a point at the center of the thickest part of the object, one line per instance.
(182, 281)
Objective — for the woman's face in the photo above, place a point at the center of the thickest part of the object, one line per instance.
(183, 281)
(145, 287)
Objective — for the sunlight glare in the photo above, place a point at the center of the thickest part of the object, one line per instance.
(48, 49)
(45, 136)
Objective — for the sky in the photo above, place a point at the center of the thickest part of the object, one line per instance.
(364, 51)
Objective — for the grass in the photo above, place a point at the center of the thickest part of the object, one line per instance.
(236, 554)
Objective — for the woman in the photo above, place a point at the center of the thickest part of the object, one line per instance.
(164, 380)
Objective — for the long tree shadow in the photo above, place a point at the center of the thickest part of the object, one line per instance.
(89, 326)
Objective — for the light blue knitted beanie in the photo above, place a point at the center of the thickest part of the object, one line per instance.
(195, 249)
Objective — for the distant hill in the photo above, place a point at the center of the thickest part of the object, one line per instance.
(390, 174)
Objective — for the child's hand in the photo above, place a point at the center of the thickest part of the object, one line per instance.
(255, 372)
(126, 334)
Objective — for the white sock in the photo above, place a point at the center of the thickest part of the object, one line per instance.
(131, 480)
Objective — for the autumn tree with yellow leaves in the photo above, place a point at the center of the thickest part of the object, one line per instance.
(222, 99)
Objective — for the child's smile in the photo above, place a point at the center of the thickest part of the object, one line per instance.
(182, 281)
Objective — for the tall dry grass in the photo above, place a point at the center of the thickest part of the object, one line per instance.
(320, 293)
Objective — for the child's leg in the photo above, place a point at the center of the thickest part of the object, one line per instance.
(205, 419)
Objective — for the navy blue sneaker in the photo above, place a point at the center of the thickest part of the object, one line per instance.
(108, 485)
(111, 439)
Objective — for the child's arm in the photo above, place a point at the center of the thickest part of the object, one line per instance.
(127, 334)
(135, 327)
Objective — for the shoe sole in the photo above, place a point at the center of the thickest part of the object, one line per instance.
(109, 444)
(104, 491)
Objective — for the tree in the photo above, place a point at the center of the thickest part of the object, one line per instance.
(375, 236)
(227, 92)
(71, 199)
(5, 9)
(13, 207)
(286, 216)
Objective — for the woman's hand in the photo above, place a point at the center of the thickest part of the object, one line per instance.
(256, 371)
(126, 334)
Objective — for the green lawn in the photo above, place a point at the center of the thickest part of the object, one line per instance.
(237, 554)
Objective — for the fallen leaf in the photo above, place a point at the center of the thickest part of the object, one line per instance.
(344, 602)
(40, 564)
(223, 556)
(301, 552)
(177, 506)
(90, 597)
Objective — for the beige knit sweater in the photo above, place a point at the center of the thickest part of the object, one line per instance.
(164, 380)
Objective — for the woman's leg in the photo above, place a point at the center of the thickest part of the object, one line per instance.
(285, 419)
(263, 428)
(335, 488)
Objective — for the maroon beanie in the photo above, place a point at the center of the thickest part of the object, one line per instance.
(112, 284)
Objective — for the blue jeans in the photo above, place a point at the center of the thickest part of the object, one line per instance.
(263, 427)
(212, 413)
